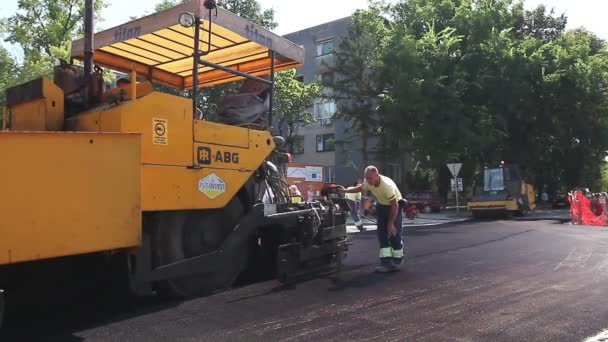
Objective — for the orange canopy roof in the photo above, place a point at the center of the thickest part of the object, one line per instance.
(161, 50)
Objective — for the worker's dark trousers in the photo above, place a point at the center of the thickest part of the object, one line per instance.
(391, 247)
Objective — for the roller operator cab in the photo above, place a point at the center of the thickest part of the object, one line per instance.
(185, 204)
(503, 190)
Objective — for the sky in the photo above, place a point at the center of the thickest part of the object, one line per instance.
(292, 17)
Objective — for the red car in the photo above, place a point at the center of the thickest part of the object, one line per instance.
(425, 201)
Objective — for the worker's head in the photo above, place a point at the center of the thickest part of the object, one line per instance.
(372, 176)
(293, 190)
(123, 83)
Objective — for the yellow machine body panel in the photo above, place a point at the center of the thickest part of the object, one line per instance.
(221, 170)
(187, 164)
(493, 205)
(211, 132)
(68, 193)
(142, 89)
(163, 120)
(528, 190)
(173, 188)
(41, 109)
(220, 146)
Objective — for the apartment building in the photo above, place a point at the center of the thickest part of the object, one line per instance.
(330, 142)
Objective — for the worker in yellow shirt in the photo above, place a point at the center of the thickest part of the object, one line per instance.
(354, 201)
(296, 195)
(389, 214)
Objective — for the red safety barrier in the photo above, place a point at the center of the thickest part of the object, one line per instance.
(581, 213)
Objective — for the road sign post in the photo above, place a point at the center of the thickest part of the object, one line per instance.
(456, 182)
(457, 187)
(457, 204)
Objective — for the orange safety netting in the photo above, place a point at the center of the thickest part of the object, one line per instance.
(581, 213)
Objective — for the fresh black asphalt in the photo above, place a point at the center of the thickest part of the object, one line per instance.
(474, 281)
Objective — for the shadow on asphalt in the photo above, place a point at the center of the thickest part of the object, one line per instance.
(359, 281)
(428, 232)
(292, 286)
(61, 322)
(56, 312)
(76, 294)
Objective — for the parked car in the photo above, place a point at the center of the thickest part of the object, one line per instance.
(560, 200)
(425, 201)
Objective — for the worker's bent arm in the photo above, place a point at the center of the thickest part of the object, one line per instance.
(353, 189)
(394, 210)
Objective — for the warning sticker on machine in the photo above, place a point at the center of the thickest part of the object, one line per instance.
(160, 128)
(212, 186)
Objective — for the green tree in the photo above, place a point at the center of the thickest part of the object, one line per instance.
(41, 25)
(355, 87)
(481, 81)
(576, 81)
(543, 24)
(166, 4)
(422, 103)
(251, 10)
(293, 101)
(44, 30)
(248, 9)
(8, 72)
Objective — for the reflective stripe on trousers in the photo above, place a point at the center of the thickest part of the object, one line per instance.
(391, 247)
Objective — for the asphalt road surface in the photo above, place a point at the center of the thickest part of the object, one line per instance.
(488, 281)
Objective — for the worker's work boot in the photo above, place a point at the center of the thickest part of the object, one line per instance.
(386, 268)
(360, 227)
(397, 262)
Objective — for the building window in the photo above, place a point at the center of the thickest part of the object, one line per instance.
(300, 79)
(329, 174)
(325, 110)
(325, 47)
(298, 145)
(326, 142)
(326, 78)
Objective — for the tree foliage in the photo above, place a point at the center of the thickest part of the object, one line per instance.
(480, 81)
(292, 103)
(166, 4)
(355, 87)
(44, 30)
(41, 25)
(250, 10)
(8, 76)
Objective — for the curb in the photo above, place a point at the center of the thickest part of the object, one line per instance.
(445, 219)
(524, 219)
(415, 225)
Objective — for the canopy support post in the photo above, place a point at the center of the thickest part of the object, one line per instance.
(272, 67)
(197, 53)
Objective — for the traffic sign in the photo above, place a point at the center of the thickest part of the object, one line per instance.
(455, 169)
(456, 184)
